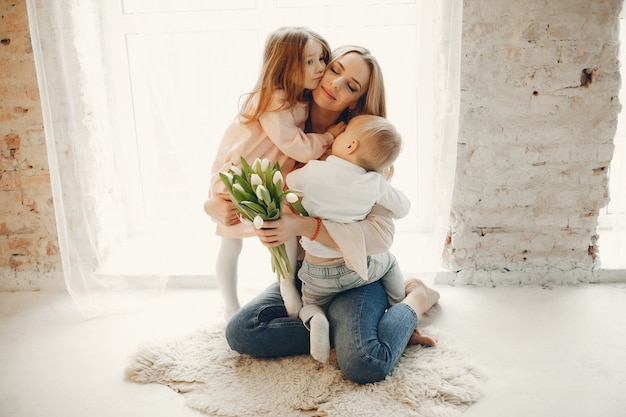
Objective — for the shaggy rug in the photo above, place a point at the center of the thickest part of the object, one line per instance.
(426, 382)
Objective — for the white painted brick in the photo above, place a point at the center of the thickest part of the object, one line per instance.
(535, 138)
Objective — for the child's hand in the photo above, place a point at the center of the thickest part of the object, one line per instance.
(337, 129)
(326, 154)
(222, 210)
(388, 172)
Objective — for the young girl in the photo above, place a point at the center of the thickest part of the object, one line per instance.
(270, 125)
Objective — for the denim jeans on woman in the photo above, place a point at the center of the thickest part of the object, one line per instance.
(368, 338)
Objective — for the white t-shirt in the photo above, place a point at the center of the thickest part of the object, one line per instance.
(343, 192)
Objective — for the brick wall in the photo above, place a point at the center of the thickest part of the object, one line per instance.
(29, 253)
(539, 110)
(538, 114)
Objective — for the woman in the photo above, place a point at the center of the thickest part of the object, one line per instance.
(368, 339)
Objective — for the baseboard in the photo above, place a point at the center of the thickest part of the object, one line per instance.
(554, 276)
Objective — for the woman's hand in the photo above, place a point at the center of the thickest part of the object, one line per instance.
(291, 225)
(279, 231)
(222, 210)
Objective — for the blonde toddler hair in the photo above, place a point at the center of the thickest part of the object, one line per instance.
(379, 142)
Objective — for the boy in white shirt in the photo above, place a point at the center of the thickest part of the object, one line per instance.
(344, 188)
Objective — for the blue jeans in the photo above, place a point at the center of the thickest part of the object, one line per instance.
(368, 339)
(320, 283)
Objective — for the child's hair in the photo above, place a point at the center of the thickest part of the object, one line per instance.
(282, 69)
(379, 140)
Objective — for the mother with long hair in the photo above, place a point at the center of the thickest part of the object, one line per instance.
(368, 337)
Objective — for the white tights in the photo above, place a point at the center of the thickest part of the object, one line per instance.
(226, 270)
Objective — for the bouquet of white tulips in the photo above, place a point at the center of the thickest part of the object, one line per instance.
(257, 192)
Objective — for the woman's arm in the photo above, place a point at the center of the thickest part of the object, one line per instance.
(378, 230)
(375, 232)
(368, 237)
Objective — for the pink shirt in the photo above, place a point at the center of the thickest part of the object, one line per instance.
(277, 136)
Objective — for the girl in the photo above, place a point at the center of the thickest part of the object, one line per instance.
(270, 125)
(368, 339)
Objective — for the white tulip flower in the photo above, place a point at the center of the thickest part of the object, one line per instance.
(277, 177)
(259, 192)
(265, 163)
(236, 170)
(291, 197)
(255, 179)
(258, 222)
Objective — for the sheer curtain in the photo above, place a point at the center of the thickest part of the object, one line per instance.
(83, 113)
(81, 139)
(445, 120)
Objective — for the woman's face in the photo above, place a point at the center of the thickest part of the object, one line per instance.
(345, 81)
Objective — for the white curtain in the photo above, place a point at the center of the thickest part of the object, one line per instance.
(82, 119)
(82, 141)
(447, 85)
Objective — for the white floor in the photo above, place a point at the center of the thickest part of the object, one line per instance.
(548, 351)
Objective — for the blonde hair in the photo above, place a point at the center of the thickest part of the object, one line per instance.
(379, 142)
(373, 100)
(282, 69)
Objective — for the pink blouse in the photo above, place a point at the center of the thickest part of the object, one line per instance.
(277, 136)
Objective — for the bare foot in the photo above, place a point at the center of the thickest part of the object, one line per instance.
(417, 338)
(420, 297)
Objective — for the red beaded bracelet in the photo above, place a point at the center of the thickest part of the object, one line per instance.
(317, 228)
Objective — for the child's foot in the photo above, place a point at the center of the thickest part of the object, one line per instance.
(420, 297)
(418, 338)
(320, 339)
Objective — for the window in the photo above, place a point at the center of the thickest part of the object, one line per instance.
(612, 222)
(180, 68)
(617, 173)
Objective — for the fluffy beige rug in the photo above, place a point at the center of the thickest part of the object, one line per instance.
(427, 382)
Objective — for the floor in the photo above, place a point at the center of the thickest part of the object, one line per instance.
(548, 351)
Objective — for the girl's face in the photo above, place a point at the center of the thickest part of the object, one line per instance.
(314, 64)
(346, 79)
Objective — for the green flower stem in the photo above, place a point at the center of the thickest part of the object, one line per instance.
(283, 253)
(280, 262)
